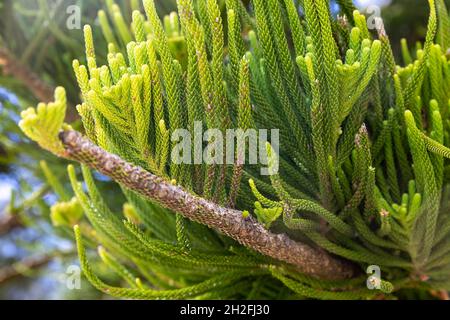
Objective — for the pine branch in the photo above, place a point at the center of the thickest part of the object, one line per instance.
(233, 223)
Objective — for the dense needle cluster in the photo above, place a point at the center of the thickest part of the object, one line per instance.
(363, 165)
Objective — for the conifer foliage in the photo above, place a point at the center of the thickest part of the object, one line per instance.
(363, 163)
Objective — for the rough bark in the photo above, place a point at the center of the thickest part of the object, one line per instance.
(245, 230)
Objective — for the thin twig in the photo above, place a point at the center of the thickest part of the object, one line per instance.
(38, 87)
(18, 269)
(8, 223)
(441, 294)
(13, 67)
(32, 263)
(245, 230)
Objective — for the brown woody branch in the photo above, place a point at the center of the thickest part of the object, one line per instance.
(40, 90)
(12, 67)
(8, 223)
(245, 230)
(32, 263)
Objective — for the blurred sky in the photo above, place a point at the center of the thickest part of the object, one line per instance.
(362, 4)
